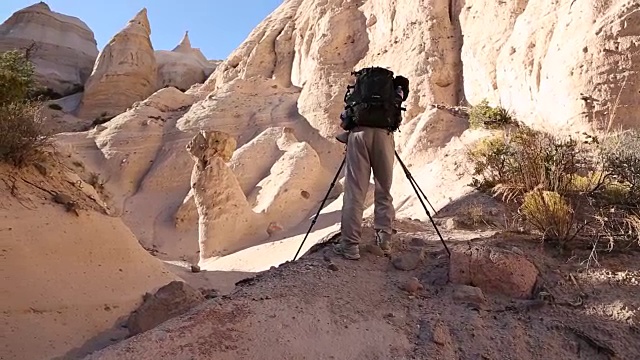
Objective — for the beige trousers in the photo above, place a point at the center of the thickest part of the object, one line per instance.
(367, 149)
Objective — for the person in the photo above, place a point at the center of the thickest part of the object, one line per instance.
(369, 149)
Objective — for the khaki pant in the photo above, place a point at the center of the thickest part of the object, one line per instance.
(367, 149)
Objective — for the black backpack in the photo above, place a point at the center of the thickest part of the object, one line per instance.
(373, 101)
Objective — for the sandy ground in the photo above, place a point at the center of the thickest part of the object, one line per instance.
(66, 280)
(360, 310)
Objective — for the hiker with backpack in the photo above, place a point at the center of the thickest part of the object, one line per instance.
(372, 114)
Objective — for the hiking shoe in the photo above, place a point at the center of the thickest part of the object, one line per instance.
(351, 252)
(383, 240)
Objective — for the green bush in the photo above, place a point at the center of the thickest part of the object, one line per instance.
(16, 77)
(483, 115)
(21, 127)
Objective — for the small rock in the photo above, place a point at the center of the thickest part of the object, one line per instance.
(209, 293)
(458, 223)
(407, 261)
(440, 333)
(42, 169)
(470, 295)
(417, 242)
(493, 270)
(326, 255)
(333, 267)
(273, 228)
(413, 286)
(62, 198)
(517, 250)
(195, 268)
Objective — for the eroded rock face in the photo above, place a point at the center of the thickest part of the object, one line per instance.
(182, 67)
(226, 221)
(493, 270)
(65, 48)
(532, 61)
(124, 73)
(130, 141)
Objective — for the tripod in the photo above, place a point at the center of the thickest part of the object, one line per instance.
(419, 193)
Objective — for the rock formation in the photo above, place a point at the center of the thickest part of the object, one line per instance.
(124, 73)
(130, 141)
(183, 66)
(65, 48)
(292, 70)
(226, 221)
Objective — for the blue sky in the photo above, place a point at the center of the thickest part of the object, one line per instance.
(217, 27)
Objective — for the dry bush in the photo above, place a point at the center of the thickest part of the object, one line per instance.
(21, 133)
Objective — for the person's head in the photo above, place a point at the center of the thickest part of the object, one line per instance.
(403, 82)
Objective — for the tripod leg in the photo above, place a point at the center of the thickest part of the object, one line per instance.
(415, 187)
(413, 180)
(313, 222)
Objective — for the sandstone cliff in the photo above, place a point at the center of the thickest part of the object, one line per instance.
(124, 73)
(563, 64)
(65, 48)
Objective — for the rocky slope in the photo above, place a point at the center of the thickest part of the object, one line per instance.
(411, 307)
(558, 64)
(65, 48)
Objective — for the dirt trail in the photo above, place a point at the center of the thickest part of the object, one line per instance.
(325, 307)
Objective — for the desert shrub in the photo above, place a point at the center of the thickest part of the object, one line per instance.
(21, 131)
(563, 187)
(621, 161)
(484, 115)
(549, 213)
(517, 163)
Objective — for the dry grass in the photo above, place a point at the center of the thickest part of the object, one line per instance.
(549, 213)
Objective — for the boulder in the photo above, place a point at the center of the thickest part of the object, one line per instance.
(124, 73)
(493, 270)
(171, 300)
(65, 48)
